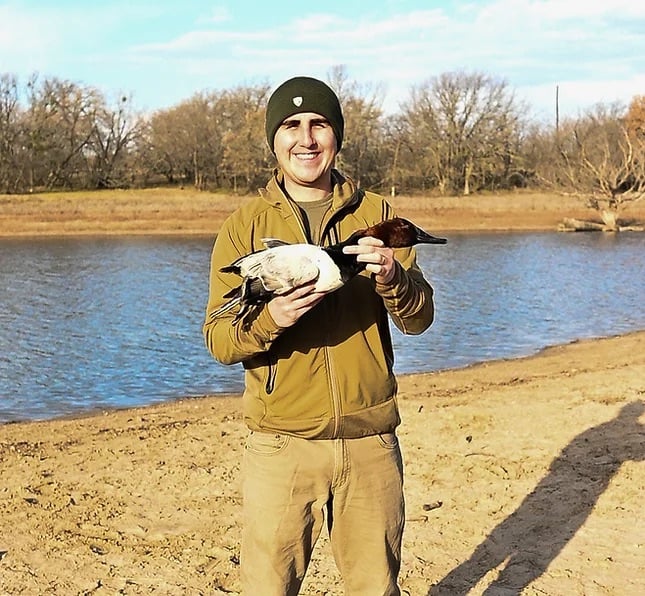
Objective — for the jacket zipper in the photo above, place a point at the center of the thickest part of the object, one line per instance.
(331, 234)
(301, 225)
(273, 366)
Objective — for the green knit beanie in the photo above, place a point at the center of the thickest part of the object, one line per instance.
(303, 94)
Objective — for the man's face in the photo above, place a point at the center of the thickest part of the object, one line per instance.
(305, 147)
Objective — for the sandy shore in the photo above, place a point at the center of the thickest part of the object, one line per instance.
(524, 476)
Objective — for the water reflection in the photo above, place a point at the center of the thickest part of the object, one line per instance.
(96, 323)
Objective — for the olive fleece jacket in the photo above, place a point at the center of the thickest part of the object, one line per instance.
(330, 375)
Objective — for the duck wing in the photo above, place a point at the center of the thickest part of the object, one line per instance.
(269, 272)
(282, 268)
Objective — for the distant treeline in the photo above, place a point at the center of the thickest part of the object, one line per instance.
(456, 133)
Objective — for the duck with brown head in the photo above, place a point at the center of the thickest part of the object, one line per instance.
(281, 267)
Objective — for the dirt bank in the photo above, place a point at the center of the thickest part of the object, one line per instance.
(163, 211)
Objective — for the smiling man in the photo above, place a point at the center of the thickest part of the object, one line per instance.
(320, 392)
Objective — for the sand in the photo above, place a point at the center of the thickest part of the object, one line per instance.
(523, 476)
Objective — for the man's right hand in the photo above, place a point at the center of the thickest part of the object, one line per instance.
(288, 308)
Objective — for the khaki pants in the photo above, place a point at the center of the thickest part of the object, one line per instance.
(292, 484)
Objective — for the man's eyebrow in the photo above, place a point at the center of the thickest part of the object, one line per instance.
(296, 119)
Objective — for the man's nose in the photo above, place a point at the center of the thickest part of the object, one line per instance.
(306, 136)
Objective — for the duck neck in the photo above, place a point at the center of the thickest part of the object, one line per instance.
(347, 264)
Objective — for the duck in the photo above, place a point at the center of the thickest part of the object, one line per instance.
(282, 266)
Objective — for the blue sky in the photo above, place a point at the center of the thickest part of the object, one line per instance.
(162, 52)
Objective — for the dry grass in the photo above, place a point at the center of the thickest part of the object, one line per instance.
(115, 211)
(187, 211)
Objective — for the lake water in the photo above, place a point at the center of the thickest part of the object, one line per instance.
(89, 324)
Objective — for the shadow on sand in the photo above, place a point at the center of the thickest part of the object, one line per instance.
(533, 535)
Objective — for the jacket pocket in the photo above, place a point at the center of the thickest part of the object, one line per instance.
(272, 372)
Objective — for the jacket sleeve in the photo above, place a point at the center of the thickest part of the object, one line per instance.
(227, 342)
(408, 297)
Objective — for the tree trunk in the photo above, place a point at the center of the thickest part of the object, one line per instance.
(610, 219)
(467, 175)
(578, 225)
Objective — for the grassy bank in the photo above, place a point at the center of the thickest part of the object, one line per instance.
(187, 211)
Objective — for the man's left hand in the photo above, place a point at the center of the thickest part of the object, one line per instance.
(379, 259)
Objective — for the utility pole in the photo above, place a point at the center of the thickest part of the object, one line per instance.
(557, 109)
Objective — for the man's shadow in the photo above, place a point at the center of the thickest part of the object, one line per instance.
(533, 535)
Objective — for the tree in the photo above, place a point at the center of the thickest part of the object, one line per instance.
(463, 131)
(114, 134)
(11, 164)
(362, 152)
(59, 122)
(601, 160)
(246, 156)
(635, 118)
(184, 143)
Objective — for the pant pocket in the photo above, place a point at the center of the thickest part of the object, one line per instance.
(388, 440)
(266, 443)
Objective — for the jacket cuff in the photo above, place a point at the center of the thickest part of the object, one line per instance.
(395, 286)
(265, 329)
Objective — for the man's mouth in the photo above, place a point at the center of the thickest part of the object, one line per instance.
(306, 156)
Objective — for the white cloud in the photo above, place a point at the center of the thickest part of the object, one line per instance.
(593, 51)
(25, 39)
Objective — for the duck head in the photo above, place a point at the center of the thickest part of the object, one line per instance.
(397, 233)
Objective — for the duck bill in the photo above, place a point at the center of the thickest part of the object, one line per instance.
(424, 238)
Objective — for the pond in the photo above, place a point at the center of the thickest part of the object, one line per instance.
(95, 323)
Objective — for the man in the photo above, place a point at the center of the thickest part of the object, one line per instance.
(319, 395)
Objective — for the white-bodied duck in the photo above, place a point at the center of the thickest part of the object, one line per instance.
(281, 267)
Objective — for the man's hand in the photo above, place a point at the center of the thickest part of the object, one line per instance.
(288, 308)
(379, 258)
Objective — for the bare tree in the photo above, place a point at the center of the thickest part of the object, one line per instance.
(114, 135)
(158, 151)
(184, 143)
(11, 164)
(240, 119)
(463, 130)
(601, 161)
(362, 152)
(59, 123)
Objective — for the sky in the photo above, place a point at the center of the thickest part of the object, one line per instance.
(162, 52)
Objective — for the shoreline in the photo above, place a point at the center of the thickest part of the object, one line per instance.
(535, 460)
(102, 410)
(172, 212)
